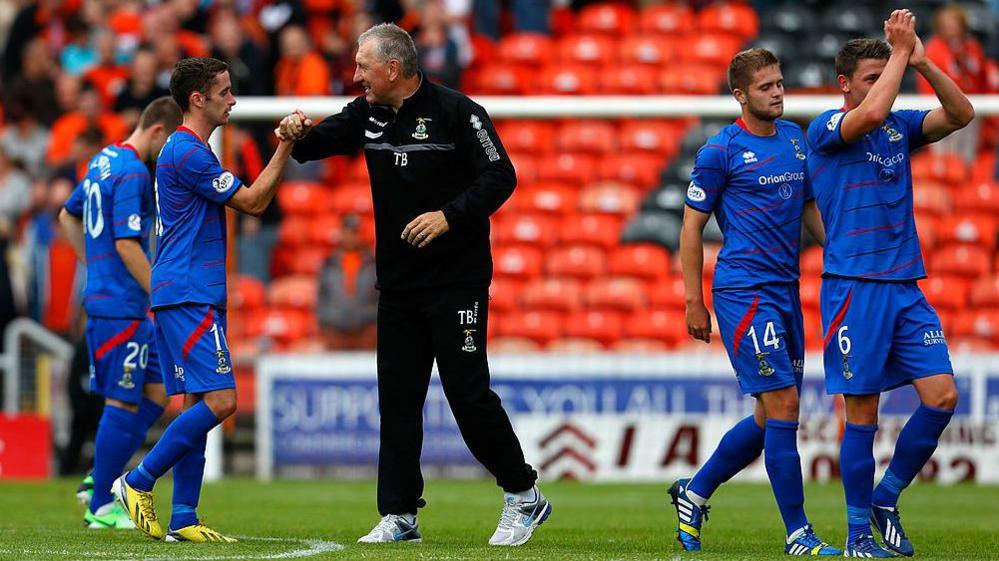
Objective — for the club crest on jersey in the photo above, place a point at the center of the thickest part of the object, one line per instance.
(834, 120)
(749, 157)
(765, 368)
(134, 222)
(223, 182)
(421, 128)
(893, 135)
(797, 149)
(223, 364)
(785, 191)
(126, 379)
(695, 193)
(469, 346)
(847, 373)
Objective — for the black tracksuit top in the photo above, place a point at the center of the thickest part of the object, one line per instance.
(439, 152)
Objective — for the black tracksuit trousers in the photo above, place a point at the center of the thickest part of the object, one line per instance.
(450, 325)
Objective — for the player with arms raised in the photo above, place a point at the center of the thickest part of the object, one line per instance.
(108, 219)
(751, 175)
(189, 294)
(880, 332)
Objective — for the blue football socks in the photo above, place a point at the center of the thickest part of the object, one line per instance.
(187, 477)
(784, 469)
(183, 434)
(915, 445)
(856, 460)
(113, 449)
(742, 444)
(147, 415)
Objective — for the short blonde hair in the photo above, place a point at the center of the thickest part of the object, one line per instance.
(745, 63)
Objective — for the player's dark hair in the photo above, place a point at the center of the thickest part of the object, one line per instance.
(745, 64)
(163, 110)
(194, 74)
(856, 50)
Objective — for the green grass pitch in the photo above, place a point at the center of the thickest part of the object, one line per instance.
(305, 519)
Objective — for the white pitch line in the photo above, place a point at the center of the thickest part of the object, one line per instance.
(312, 548)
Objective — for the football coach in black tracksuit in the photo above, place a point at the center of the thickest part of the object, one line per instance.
(438, 171)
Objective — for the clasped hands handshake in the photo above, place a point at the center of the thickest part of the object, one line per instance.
(293, 127)
(900, 32)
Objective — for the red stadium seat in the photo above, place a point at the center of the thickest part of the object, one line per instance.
(809, 289)
(603, 326)
(483, 49)
(538, 326)
(960, 259)
(300, 197)
(502, 79)
(613, 19)
(585, 262)
(353, 198)
(945, 292)
(505, 293)
(932, 197)
(629, 79)
(513, 345)
(562, 79)
(985, 292)
(558, 294)
(590, 136)
(623, 294)
(307, 260)
(530, 49)
(575, 346)
(690, 78)
(526, 166)
(358, 170)
(946, 168)
(714, 49)
(576, 169)
(594, 229)
(668, 293)
(325, 229)
(978, 323)
(639, 169)
(928, 229)
(639, 346)
(551, 198)
(668, 19)
(645, 261)
(293, 292)
(983, 197)
(811, 261)
(587, 49)
(958, 345)
(518, 135)
(610, 198)
(655, 137)
(284, 325)
(667, 325)
(249, 293)
(517, 261)
(984, 166)
(293, 230)
(736, 18)
(525, 229)
(976, 229)
(651, 50)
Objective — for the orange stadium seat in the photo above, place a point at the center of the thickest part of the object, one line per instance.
(249, 293)
(978, 323)
(960, 259)
(984, 167)
(639, 346)
(668, 19)
(284, 325)
(603, 326)
(652, 50)
(300, 197)
(483, 49)
(552, 293)
(811, 261)
(513, 345)
(646, 261)
(575, 346)
(587, 49)
(983, 197)
(946, 168)
(933, 198)
(529, 49)
(594, 229)
(620, 293)
(945, 291)
(526, 166)
(518, 135)
(307, 260)
(548, 197)
(639, 169)
(538, 326)
(808, 290)
(584, 262)
(505, 293)
(502, 79)
(691, 79)
(715, 49)
(969, 345)
(298, 292)
(610, 198)
(976, 229)
(591, 136)
(668, 293)
(517, 261)
(325, 229)
(985, 292)
(562, 79)
(294, 230)
(612, 19)
(736, 18)
(353, 198)
(655, 137)
(525, 229)
(666, 325)
(574, 168)
(629, 79)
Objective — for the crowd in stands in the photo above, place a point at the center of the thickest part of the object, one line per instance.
(587, 241)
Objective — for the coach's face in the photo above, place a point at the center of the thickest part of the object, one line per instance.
(374, 74)
(855, 87)
(764, 96)
(219, 101)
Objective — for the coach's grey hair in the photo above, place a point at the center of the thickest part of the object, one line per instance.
(393, 42)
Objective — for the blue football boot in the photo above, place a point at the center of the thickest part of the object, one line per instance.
(689, 516)
(804, 543)
(889, 524)
(866, 546)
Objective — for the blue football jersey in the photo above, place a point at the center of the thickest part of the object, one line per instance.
(756, 188)
(864, 192)
(191, 191)
(115, 201)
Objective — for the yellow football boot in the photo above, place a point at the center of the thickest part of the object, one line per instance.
(197, 533)
(139, 506)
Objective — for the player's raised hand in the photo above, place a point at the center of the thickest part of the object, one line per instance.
(293, 127)
(699, 322)
(918, 56)
(425, 228)
(900, 31)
